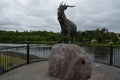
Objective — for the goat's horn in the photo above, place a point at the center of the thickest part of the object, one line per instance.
(65, 4)
(69, 6)
(62, 3)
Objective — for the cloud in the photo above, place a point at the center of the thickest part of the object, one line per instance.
(42, 14)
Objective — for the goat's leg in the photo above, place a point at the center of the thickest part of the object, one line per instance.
(62, 38)
(69, 38)
(74, 40)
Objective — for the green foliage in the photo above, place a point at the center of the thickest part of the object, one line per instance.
(31, 37)
(113, 37)
(100, 35)
(7, 60)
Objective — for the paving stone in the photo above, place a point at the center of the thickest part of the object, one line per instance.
(39, 71)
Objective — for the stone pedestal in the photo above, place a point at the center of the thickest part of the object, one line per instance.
(69, 62)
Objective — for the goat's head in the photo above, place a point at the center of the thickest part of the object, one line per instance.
(63, 7)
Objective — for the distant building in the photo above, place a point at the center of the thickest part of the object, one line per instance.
(93, 41)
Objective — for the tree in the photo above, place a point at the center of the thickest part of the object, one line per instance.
(113, 37)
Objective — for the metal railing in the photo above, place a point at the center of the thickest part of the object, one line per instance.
(108, 55)
(12, 57)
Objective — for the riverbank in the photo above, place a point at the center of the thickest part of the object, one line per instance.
(9, 59)
(99, 44)
(79, 43)
(31, 42)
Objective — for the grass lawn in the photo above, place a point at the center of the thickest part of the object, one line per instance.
(8, 61)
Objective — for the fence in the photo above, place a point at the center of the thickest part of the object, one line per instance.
(108, 55)
(12, 57)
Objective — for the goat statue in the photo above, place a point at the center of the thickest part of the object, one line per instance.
(68, 28)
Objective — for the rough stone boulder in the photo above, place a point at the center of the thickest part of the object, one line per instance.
(69, 62)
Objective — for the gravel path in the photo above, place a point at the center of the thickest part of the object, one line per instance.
(39, 71)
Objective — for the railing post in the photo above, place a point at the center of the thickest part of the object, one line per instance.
(28, 60)
(111, 54)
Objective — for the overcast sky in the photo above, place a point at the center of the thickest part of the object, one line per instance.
(25, 15)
